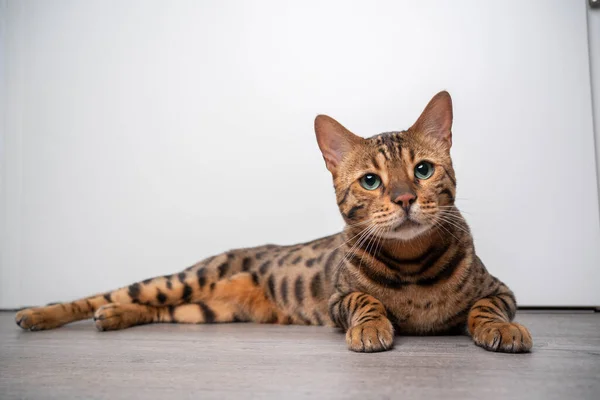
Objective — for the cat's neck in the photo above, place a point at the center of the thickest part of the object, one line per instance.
(412, 248)
(438, 236)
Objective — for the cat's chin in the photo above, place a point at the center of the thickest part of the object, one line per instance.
(407, 231)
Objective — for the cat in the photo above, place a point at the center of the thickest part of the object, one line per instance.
(405, 262)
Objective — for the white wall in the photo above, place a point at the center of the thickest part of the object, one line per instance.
(142, 136)
(593, 21)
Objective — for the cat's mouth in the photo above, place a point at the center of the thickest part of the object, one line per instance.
(407, 223)
(406, 229)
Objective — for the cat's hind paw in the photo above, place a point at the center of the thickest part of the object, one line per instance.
(115, 316)
(37, 319)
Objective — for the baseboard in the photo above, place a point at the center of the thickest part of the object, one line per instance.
(589, 309)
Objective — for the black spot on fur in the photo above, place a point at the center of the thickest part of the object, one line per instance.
(161, 297)
(284, 290)
(310, 262)
(187, 293)
(271, 285)
(107, 297)
(296, 260)
(134, 291)
(299, 289)
(316, 287)
(255, 278)
(212, 286)
(223, 268)
(264, 267)
(181, 277)
(207, 312)
(169, 284)
(246, 264)
(283, 259)
(201, 274)
(147, 281)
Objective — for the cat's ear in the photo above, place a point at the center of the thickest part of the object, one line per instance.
(334, 141)
(436, 119)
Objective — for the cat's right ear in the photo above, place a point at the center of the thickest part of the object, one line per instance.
(334, 141)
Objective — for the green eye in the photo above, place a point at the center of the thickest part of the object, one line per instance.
(370, 181)
(424, 170)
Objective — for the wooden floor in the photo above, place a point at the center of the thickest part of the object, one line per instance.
(288, 362)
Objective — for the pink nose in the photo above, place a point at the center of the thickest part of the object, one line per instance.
(405, 200)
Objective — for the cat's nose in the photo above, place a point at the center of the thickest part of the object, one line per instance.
(405, 200)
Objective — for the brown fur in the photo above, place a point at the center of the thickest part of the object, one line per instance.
(384, 274)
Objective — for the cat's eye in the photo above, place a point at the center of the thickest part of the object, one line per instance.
(370, 181)
(423, 170)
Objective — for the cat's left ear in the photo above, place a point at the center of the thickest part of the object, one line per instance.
(436, 119)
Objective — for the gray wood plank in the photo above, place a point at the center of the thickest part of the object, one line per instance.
(293, 362)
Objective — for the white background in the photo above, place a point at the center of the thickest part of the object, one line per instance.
(142, 136)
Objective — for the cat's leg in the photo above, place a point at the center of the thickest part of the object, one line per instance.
(189, 285)
(55, 315)
(489, 323)
(160, 291)
(365, 320)
(236, 299)
(115, 316)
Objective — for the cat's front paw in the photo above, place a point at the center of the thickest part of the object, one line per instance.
(506, 337)
(372, 336)
(38, 319)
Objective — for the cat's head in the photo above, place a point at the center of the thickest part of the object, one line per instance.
(398, 183)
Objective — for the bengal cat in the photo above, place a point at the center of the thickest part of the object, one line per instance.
(404, 263)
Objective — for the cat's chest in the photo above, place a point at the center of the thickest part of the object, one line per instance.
(421, 310)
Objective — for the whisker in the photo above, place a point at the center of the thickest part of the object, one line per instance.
(453, 215)
(370, 240)
(380, 240)
(358, 244)
(447, 230)
(454, 209)
(359, 223)
(365, 233)
(451, 212)
(454, 224)
(348, 240)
